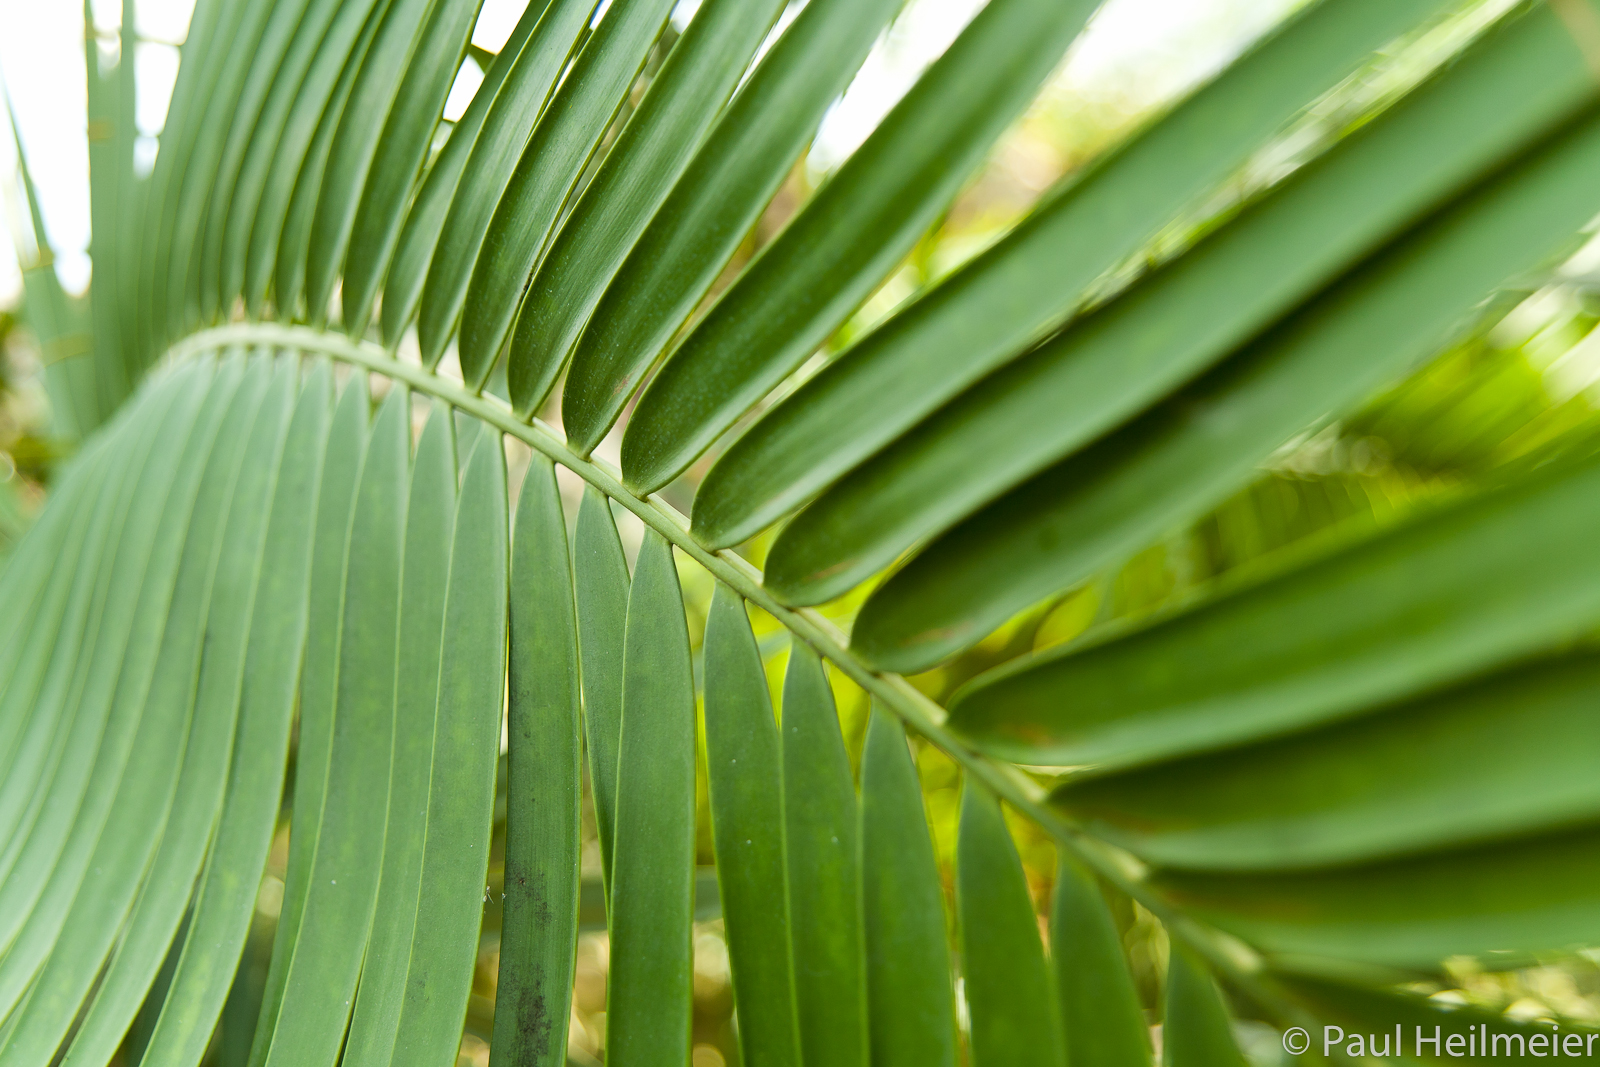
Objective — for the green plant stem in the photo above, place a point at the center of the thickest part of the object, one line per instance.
(1242, 966)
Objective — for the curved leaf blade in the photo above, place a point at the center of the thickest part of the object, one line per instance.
(1506, 903)
(336, 496)
(1168, 466)
(514, 116)
(140, 921)
(107, 817)
(424, 577)
(544, 794)
(1099, 1004)
(302, 80)
(716, 201)
(263, 101)
(36, 599)
(1009, 996)
(199, 57)
(1195, 1031)
(803, 286)
(744, 771)
(820, 835)
(1380, 620)
(655, 146)
(226, 895)
(1358, 791)
(404, 78)
(910, 993)
(652, 870)
(424, 220)
(289, 273)
(1171, 325)
(67, 660)
(460, 820)
(600, 575)
(567, 136)
(256, 223)
(341, 891)
(1011, 295)
(182, 239)
(60, 705)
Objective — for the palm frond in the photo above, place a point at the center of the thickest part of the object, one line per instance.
(287, 547)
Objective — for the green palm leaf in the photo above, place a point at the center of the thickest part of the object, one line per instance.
(263, 650)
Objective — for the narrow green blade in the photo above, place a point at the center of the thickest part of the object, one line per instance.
(1099, 1005)
(29, 586)
(1187, 454)
(53, 700)
(455, 861)
(425, 573)
(1178, 320)
(517, 106)
(73, 702)
(1013, 294)
(1380, 620)
(544, 794)
(600, 574)
(745, 772)
(230, 59)
(420, 233)
(100, 913)
(293, 242)
(1508, 903)
(159, 186)
(325, 961)
(383, 139)
(200, 56)
(720, 196)
(132, 200)
(347, 444)
(1357, 791)
(278, 141)
(110, 116)
(652, 872)
(225, 898)
(562, 144)
(120, 815)
(820, 829)
(1009, 995)
(23, 576)
(138, 1035)
(853, 232)
(69, 371)
(65, 657)
(256, 225)
(660, 138)
(910, 992)
(1195, 1030)
(262, 105)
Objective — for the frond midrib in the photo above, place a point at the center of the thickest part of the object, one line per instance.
(916, 710)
